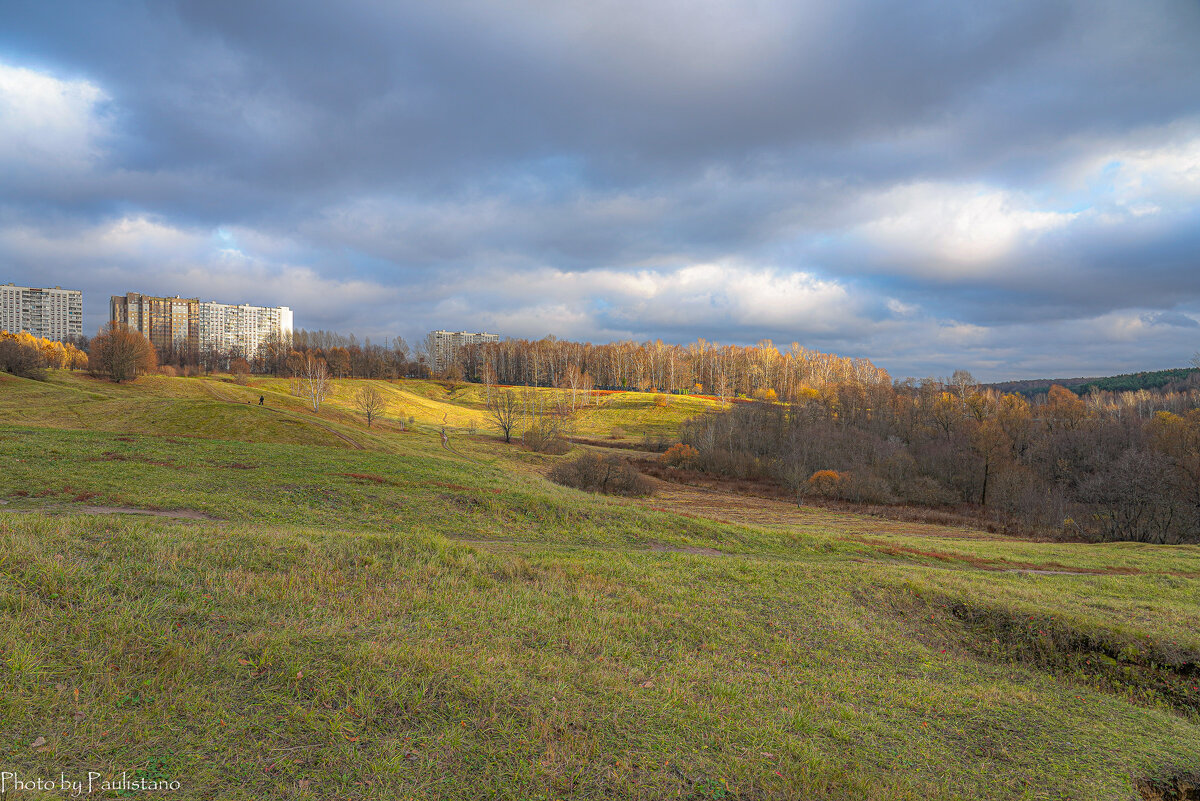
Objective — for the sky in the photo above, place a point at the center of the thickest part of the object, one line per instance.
(1007, 188)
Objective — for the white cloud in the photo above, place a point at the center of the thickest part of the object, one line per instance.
(954, 229)
(48, 124)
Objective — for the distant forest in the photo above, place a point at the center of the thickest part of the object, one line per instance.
(1105, 466)
(1129, 382)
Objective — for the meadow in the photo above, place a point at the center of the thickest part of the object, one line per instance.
(308, 608)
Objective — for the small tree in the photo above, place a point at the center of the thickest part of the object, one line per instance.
(121, 353)
(240, 368)
(314, 380)
(503, 410)
(370, 402)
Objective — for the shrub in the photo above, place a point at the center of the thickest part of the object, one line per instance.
(862, 486)
(680, 455)
(662, 401)
(925, 491)
(240, 369)
(545, 439)
(596, 473)
(824, 484)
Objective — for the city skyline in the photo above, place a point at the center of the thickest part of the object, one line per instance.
(1010, 190)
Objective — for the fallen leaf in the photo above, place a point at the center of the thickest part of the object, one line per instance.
(648, 683)
(39, 742)
(80, 716)
(303, 783)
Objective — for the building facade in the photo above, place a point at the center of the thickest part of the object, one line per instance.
(240, 329)
(179, 324)
(167, 322)
(445, 345)
(55, 314)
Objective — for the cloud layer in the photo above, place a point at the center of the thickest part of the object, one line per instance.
(1012, 189)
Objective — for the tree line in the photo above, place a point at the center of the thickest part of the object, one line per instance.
(26, 355)
(1106, 465)
(726, 371)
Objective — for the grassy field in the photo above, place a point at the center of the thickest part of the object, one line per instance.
(318, 610)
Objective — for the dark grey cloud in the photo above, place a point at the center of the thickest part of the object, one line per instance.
(923, 183)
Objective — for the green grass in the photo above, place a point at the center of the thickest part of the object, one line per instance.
(399, 622)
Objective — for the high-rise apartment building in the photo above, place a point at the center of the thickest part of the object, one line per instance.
(446, 343)
(47, 313)
(167, 322)
(189, 323)
(227, 328)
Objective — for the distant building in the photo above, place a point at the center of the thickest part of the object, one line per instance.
(446, 343)
(188, 323)
(55, 314)
(169, 323)
(227, 328)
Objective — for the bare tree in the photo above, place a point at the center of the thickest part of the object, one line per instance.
(370, 402)
(314, 380)
(121, 353)
(503, 410)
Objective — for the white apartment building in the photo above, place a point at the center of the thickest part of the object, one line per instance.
(226, 327)
(55, 314)
(447, 343)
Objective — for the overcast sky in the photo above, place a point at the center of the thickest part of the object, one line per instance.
(1011, 188)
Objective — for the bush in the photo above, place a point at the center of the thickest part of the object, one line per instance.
(545, 439)
(925, 491)
(680, 455)
(857, 486)
(662, 401)
(606, 474)
(824, 484)
(240, 369)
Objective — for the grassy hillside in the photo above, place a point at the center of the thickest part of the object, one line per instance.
(387, 619)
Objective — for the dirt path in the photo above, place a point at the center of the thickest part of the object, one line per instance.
(358, 446)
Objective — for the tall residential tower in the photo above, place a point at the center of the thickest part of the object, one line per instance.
(189, 323)
(47, 313)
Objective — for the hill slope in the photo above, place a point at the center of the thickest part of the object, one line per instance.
(395, 620)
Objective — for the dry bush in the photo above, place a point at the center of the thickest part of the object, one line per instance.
(167, 370)
(662, 401)
(545, 438)
(924, 491)
(863, 486)
(680, 455)
(240, 369)
(606, 474)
